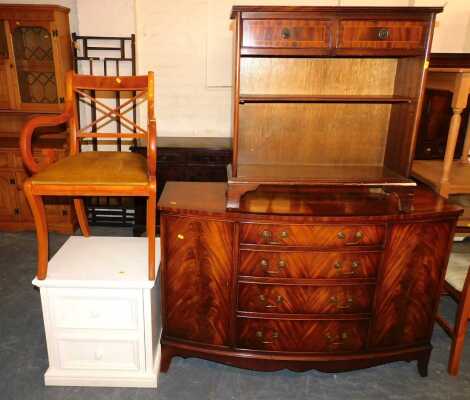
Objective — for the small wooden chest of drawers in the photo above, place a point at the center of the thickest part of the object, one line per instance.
(101, 314)
(264, 289)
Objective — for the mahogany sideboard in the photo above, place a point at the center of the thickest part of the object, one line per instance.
(191, 159)
(335, 282)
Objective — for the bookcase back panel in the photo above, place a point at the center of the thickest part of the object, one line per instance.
(318, 76)
(308, 134)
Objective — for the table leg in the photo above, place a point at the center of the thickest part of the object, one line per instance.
(450, 150)
(466, 145)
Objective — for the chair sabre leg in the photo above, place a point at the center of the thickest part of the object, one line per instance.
(39, 215)
(81, 212)
(151, 210)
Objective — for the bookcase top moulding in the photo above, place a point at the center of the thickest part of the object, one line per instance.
(328, 97)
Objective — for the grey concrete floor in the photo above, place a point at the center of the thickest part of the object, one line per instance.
(23, 356)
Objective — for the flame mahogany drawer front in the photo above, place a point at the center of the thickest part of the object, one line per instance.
(286, 33)
(382, 34)
(293, 299)
(319, 236)
(309, 265)
(301, 335)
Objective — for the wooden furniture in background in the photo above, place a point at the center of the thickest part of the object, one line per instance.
(49, 145)
(457, 285)
(101, 314)
(328, 96)
(437, 112)
(94, 173)
(191, 159)
(35, 52)
(108, 56)
(449, 176)
(331, 281)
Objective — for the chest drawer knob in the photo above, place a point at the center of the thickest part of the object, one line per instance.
(266, 235)
(284, 235)
(286, 33)
(341, 235)
(383, 34)
(264, 263)
(282, 264)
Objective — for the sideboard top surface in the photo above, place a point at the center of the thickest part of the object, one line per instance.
(204, 198)
(334, 9)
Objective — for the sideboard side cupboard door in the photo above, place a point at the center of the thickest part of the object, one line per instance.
(333, 282)
(327, 96)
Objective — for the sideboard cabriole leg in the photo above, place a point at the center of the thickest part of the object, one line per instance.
(423, 363)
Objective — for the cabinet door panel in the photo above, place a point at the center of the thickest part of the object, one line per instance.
(7, 196)
(33, 48)
(408, 287)
(197, 279)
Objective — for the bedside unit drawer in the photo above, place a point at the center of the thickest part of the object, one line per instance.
(319, 236)
(286, 33)
(96, 309)
(385, 34)
(91, 354)
(309, 265)
(301, 336)
(293, 299)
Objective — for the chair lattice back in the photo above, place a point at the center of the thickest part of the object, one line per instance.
(79, 88)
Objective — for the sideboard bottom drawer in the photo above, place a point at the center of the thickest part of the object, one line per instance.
(301, 336)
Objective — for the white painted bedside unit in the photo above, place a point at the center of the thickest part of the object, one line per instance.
(101, 314)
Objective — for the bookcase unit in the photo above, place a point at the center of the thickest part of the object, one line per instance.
(327, 96)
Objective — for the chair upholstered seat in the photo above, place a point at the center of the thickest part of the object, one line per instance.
(96, 168)
(457, 271)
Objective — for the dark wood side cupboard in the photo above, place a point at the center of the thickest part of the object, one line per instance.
(333, 282)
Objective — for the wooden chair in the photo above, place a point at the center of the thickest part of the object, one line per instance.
(457, 286)
(94, 173)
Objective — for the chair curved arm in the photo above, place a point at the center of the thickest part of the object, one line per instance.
(27, 133)
(152, 148)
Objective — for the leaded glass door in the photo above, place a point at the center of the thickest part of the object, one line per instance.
(33, 47)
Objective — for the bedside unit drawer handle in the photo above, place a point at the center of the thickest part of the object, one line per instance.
(383, 34)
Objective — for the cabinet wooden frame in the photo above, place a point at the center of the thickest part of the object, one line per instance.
(372, 64)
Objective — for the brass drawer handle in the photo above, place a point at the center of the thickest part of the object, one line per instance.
(336, 340)
(354, 266)
(285, 33)
(264, 263)
(279, 301)
(383, 34)
(267, 236)
(260, 335)
(284, 235)
(349, 303)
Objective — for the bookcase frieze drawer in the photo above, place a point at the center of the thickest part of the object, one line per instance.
(308, 264)
(294, 299)
(382, 34)
(286, 33)
(301, 335)
(318, 236)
